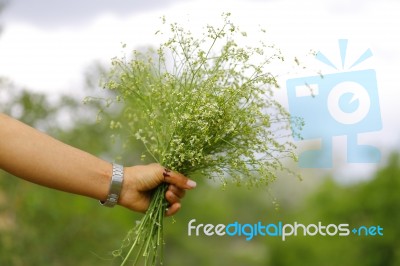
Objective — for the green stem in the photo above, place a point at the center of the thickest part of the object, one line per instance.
(150, 230)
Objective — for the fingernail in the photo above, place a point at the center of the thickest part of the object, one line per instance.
(191, 183)
(165, 174)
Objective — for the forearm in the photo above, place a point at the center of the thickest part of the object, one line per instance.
(39, 158)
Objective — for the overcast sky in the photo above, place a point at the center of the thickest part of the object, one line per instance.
(59, 13)
(46, 45)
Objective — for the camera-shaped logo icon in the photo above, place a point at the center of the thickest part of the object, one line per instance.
(345, 103)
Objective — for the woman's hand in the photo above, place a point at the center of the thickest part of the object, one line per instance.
(141, 180)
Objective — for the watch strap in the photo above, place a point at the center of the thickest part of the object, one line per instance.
(115, 186)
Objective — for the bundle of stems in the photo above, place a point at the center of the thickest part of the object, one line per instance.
(203, 107)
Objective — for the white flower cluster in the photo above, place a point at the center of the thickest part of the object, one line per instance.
(203, 111)
(209, 112)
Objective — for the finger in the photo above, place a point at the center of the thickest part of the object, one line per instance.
(171, 197)
(178, 180)
(174, 208)
(177, 191)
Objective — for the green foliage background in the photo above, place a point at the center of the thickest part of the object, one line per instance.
(39, 226)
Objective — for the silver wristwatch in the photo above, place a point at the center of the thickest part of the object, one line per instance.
(115, 186)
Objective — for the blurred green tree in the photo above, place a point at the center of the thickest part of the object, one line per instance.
(372, 203)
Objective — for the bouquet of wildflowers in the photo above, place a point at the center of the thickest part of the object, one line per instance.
(203, 107)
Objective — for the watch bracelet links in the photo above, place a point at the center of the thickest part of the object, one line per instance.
(115, 186)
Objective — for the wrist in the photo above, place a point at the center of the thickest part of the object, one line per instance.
(130, 194)
(115, 186)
